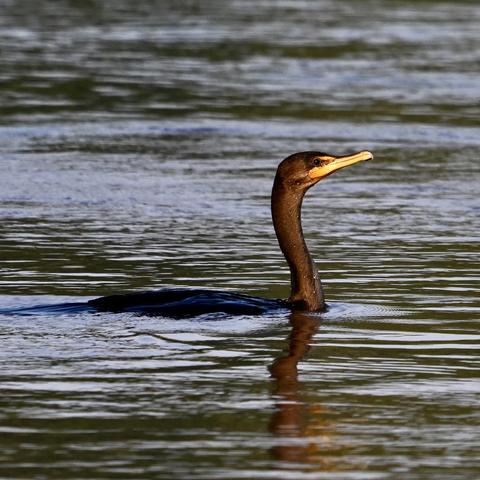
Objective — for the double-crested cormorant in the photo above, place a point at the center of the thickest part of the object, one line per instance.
(295, 175)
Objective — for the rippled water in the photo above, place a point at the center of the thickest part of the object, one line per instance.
(138, 142)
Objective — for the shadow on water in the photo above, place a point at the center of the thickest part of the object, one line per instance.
(50, 309)
(303, 431)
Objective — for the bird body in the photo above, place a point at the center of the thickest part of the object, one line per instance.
(187, 302)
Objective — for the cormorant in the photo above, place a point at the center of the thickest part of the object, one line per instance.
(295, 175)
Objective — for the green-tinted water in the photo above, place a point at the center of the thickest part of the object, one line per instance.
(138, 145)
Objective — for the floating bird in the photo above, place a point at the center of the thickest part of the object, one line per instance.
(295, 175)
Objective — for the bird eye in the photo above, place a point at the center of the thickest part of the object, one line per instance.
(318, 162)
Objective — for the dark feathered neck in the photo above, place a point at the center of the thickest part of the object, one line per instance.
(306, 290)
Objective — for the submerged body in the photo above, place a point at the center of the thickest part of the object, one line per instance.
(295, 175)
(187, 302)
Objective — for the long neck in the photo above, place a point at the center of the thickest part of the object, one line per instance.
(306, 290)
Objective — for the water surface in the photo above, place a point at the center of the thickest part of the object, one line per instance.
(138, 144)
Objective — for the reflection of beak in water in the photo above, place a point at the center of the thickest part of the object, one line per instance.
(303, 433)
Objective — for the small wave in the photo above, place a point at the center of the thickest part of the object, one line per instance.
(359, 311)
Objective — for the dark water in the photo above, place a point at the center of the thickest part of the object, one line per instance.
(138, 142)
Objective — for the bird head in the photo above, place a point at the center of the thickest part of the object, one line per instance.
(304, 169)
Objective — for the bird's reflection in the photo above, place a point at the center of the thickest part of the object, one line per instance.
(300, 426)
